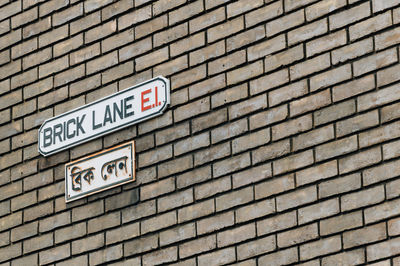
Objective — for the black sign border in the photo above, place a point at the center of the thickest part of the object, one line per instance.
(166, 103)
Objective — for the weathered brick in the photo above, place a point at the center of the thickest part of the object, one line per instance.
(272, 80)
(268, 117)
(38, 242)
(104, 222)
(349, 16)
(375, 61)
(326, 43)
(263, 13)
(345, 258)
(285, 256)
(364, 235)
(352, 51)
(256, 247)
(255, 210)
(226, 62)
(88, 243)
(207, 20)
(140, 245)
(284, 23)
(370, 25)
(274, 186)
(363, 198)
(383, 249)
(308, 31)
(158, 222)
(318, 211)
(234, 198)
(10, 38)
(10, 252)
(231, 165)
(316, 173)
(177, 234)
(105, 255)
(236, 235)
(357, 123)
(206, 53)
(213, 187)
(222, 256)
(38, 211)
(320, 247)
(296, 198)
(336, 148)
(150, 26)
(215, 223)
(90, 210)
(298, 235)
(307, 67)
(266, 48)
(197, 246)
(170, 34)
(293, 162)
(391, 150)
(381, 211)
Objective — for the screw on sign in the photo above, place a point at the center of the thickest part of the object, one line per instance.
(130, 106)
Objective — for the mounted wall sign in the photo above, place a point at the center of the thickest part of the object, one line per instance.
(119, 110)
(100, 171)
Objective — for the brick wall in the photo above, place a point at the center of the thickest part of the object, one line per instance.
(280, 146)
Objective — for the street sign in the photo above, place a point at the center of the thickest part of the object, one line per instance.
(119, 110)
(100, 171)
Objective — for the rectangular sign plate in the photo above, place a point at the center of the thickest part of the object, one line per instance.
(100, 171)
(119, 110)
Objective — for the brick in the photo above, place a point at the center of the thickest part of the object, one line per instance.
(368, 196)
(245, 38)
(274, 186)
(115, 9)
(252, 175)
(84, 212)
(266, 48)
(316, 173)
(193, 177)
(10, 38)
(36, 28)
(390, 150)
(155, 123)
(4, 58)
(38, 211)
(254, 211)
(197, 246)
(331, 77)
(10, 9)
(207, 20)
(88, 243)
(326, 43)
(104, 222)
(375, 61)
(284, 58)
(359, 160)
(381, 211)
(38, 242)
(273, 80)
(276, 223)
(352, 88)
(226, 62)
(215, 223)
(390, 112)
(122, 233)
(381, 97)
(387, 38)
(10, 220)
(102, 63)
(336, 148)
(298, 235)
(10, 190)
(176, 200)
(189, 76)
(357, 123)
(138, 211)
(24, 231)
(187, 44)
(352, 51)
(245, 73)
(162, 256)
(236, 235)
(285, 256)
(351, 15)
(11, 98)
(51, 6)
(150, 26)
(24, 48)
(170, 35)
(152, 58)
(334, 112)
(10, 252)
(310, 103)
(318, 211)
(206, 53)
(268, 117)
(185, 12)
(307, 67)
(345, 258)
(36, 58)
(263, 14)
(388, 75)
(271, 151)
(68, 45)
(234, 198)
(105, 255)
(209, 120)
(26, 260)
(256, 247)
(250, 141)
(24, 17)
(213, 187)
(383, 249)
(364, 235)
(140, 245)
(10, 69)
(320, 247)
(177, 234)
(370, 25)
(158, 222)
(378, 135)
(378, 6)
(84, 54)
(195, 211)
(157, 189)
(308, 31)
(247, 106)
(231, 165)
(23, 201)
(293, 162)
(84, 23)
(322, 8)
(67, 14)
(222, 256)
(285, 23)
(171, 134)
(5, 26)
(296, 198)
(54, 254)
(53, 36)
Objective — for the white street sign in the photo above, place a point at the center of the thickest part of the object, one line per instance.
(100, 171)
(119, 110)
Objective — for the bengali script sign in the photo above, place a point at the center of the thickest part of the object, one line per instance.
(100, 171)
